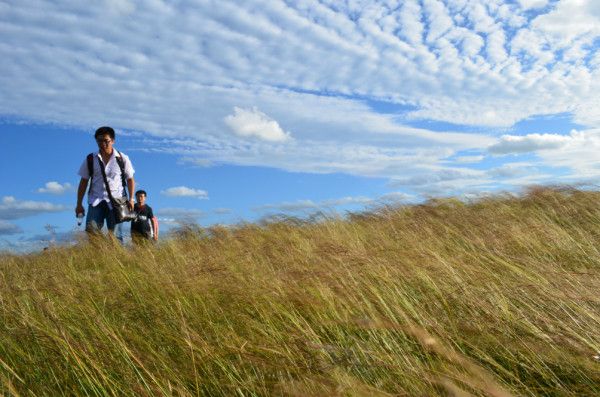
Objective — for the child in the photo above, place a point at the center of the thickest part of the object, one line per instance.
(145, 225)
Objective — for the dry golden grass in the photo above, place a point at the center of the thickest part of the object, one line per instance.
(492, 298)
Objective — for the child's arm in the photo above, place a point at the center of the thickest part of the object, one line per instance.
(155, 227)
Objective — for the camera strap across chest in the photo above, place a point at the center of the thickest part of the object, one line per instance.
(120, 162)
(103, 170)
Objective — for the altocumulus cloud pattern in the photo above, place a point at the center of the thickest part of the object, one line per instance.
(321, 86)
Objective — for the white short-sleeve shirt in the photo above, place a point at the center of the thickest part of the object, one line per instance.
(98, 192)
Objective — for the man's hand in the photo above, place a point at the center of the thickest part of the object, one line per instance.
(79, 210)
(130, 205)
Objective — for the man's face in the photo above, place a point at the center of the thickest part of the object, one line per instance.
(141, 198)
(105, 143)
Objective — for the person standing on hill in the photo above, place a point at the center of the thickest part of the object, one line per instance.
(119, 172)
(145, 225)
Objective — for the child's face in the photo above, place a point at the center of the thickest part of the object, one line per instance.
(141, 199)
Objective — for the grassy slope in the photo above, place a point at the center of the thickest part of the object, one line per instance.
(497, 297)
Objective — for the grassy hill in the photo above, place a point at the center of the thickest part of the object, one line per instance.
(497, 297)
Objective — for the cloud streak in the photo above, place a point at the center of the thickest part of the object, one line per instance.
(56, 188)
(310, 205)
(177, 215)
(11, 208)
(7, 228)
(510, 144)
(184, 191)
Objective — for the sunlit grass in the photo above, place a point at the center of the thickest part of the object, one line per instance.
(497, 297)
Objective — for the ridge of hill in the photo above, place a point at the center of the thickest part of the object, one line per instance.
(495, 297)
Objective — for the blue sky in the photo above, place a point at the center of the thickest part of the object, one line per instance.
(232, 112)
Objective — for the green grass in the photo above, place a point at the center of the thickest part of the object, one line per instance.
(492, 298)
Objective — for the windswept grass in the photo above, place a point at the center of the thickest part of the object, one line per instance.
(493, 298)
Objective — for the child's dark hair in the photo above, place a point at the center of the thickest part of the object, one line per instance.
(141, 192)
(105, 131)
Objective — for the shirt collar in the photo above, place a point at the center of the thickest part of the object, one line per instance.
(115, 153)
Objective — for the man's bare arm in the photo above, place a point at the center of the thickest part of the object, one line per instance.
(131, 188)
(155, 228)
(83, 183)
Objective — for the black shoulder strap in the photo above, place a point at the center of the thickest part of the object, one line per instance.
(90, 167)
(121, 162)
(90, 164)
(106, 185)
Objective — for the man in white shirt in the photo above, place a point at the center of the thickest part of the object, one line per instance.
(99, 205)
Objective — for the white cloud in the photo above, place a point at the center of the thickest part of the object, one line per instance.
(471, 43)
(184, 191)
(313, 68)
(532, 4)
(587, 113)
(196, 162)
(443, 181)
(180, 213)
(510, 170)
(370, 52)
(469, 159)
(172, 216)
(440, 21)
(254, 123)
(7, 228)
(495, 46)
(575, 153)
(478, 14)
(345, 201)
(55, 188)
(11, 208)
(300, 205)
(120, 7)
(310, 205)
(512, 144)
(409, 21)
(435, 176)
(579, 154)
(570, 19)
(317, 157)
(394, 198)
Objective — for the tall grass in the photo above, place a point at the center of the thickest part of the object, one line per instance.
(497, 297)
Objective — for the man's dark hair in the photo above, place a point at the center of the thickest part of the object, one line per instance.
(105, 131)
(141, 192)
